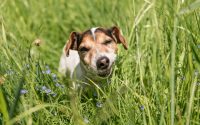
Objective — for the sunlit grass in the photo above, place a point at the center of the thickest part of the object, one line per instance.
(156, 81)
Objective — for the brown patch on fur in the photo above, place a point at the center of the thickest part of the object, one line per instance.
(72, 43)
(106, 40)
(115, 34)
(92, 54)
(94, 45)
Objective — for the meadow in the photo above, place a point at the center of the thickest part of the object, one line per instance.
(155, 81)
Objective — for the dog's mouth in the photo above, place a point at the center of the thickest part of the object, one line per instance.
(94, 71)
(105, 73)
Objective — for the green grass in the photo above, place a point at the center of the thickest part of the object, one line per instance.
(156, 81)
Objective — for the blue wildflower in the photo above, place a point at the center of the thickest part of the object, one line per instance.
(99, 104)
(54, 76)
(142, 107)
(62, 86)
(57, 84)
(44, 88)
(48, 71)
(54, 94)
(23, 91)
(47, 91)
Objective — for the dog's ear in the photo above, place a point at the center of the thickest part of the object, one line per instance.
(72, 43)
(116, 34)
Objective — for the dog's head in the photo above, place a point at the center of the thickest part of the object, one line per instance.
(97, 48)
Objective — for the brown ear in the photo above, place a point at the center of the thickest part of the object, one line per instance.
(72, 43)
(118, 36)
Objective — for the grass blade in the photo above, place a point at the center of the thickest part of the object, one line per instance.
(193, 6)
(3, 107)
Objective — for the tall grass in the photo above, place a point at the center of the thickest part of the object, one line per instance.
(156, 81)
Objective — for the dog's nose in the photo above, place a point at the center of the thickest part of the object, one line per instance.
(102, 63)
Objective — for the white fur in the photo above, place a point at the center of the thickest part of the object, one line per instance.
(93, 32)
(110, 54)
(69, 63)
(72, 66)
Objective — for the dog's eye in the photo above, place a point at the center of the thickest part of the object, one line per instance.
(107, 42)
(83, 49)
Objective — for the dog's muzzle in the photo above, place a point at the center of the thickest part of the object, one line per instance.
(102, 65)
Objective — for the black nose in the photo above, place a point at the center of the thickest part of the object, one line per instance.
(102, 63)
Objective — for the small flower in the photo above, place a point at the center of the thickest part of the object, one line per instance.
(44, 88)
(23, 91)
(142, 107)
(47, 91)
(37, 42)
(57, 84)
(54, 94)
(48, 71)
(86, 120)
(62, 86)
(99, 104)
(10, 72)
(54, 77)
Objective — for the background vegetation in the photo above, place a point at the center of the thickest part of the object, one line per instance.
(156, 81)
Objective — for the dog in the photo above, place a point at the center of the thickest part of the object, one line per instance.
(90, 55)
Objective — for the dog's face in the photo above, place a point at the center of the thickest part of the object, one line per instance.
(97, 48)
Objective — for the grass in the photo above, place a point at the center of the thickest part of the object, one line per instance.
(156, 81)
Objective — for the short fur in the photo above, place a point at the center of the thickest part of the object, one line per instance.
(83, 50)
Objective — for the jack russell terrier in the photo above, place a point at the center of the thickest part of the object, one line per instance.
(89, 56)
